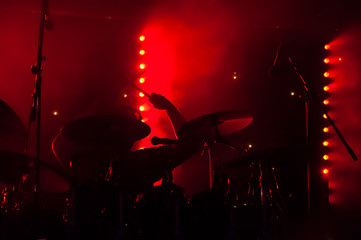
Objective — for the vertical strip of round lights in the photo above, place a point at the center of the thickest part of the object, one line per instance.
(142, 67)
(330, 76)
(326, 101)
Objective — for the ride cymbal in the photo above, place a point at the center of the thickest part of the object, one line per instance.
(219, 123)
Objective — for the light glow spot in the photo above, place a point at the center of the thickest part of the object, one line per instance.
(55, 113)
(326, 74)
(325, 171)
(324, 116)
(141, 80)
(292, 93)
(326, 60)
(340, 59)
(326, 102)
(142, 66)
(141, 94)
(325, 143)
(326, 129)
(158, 183)
(327, 46)
(325, 157)
(326, 88)
(141, 108)
(141, 52)
(125, 95)
(142, 38)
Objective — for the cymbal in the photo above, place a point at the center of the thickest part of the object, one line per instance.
(225, 122)
(12, 166)
(106, 130)
(12, 129)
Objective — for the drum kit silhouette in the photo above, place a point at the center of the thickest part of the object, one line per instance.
(162, 212)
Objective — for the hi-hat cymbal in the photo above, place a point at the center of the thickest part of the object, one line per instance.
(12, 166)
(225, 122)
(106, 130)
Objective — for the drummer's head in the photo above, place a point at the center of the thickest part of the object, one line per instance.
(131, 128)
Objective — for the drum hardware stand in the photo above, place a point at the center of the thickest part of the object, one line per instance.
(306, 96)
(213, 164)
(262, 188)
(264, 192)
(220, 182)
(168, 178)
(167, 182)
(35, 112)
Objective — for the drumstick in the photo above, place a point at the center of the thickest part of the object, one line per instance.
(138, 88)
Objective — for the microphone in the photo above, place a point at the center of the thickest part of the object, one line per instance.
(157, 141)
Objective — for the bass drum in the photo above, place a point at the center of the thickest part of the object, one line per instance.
(161, 213)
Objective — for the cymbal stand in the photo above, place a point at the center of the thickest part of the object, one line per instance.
(216, 178)
(35, 112)
(307, 95)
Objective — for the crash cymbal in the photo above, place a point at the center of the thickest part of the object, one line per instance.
(12, 130)
(105, 130)
(12, 166)
(225, 122)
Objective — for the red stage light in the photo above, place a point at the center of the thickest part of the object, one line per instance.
(325, 171)
(141, 80)
(141, 108)
(55, 113)
(141, 52)
(327, 46)
(142, 66)
(326, 88)
(325, 143)
(125, 95)
(324, 116)
(326, 102)
(141, 94)
(326, 74)
(325, 157)
(340, 59)
(142, 38)
(326, 129)
(326, 60)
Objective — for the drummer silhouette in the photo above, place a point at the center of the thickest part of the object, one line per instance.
(106, 175)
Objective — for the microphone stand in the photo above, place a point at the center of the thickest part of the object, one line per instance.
(35, 112)
(307, 94)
